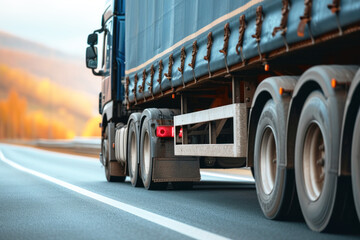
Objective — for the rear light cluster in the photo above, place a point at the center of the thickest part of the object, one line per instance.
(167, 132)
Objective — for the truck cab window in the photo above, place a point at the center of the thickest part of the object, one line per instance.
(107, 47)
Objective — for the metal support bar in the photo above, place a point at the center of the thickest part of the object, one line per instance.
(196, 126)
(184, 110)
(212, 133)
(238, 112)
(236, 90)
(183, 104)
(219, 126)
(249, 91)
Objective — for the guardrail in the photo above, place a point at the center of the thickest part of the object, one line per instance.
(79, 145)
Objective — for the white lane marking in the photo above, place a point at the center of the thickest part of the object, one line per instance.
(169, 223)
(219, 175)
(196, 34)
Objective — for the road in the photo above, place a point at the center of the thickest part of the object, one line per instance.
(47, 195)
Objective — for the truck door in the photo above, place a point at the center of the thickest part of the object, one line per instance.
(106, 63)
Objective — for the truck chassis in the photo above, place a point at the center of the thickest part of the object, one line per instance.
(290, 114)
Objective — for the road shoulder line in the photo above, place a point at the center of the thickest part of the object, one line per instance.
(169, 223)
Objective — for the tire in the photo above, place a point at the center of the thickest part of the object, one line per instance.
(323, 196)
(355, 164)
(274, 184)
(132, 155)
(146, 160)
(105, 154)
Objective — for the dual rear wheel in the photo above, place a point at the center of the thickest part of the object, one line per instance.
(140, 156)
(322, 194)
(316, 159)
(274, 183)
(132, 155)
(147, 146)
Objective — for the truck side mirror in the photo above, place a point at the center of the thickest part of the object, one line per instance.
(92, 39)
(91, 57)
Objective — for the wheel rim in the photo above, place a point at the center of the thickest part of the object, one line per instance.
(106, 152)
(146, 153)
(133, 155)
(355, 164)
(268, 159)
(314, 162)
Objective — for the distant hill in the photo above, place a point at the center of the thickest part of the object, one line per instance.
(45, 93)
(44, 62)
(10, 41)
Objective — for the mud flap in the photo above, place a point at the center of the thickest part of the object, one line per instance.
(111, 139)
(174, 169)
(117, 169)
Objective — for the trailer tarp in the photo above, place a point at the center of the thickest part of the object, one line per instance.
(157, 28)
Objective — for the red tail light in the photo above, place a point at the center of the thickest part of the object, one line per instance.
(165, 131)
(180, 133)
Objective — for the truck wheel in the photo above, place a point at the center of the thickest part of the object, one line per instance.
(355, 164)
(269, 176)
(146, 160)
(320, 191)
(132, 155)
(105, 154)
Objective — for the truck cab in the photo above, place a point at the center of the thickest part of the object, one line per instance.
(109, 64)
(112, 61)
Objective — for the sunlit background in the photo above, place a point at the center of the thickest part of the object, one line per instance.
(45, 89)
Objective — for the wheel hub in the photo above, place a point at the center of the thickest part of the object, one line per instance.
(106, 153)
(268, 160)
(314, 162)
(146, 154)
(133, 154)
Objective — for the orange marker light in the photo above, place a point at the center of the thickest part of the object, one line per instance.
(281, 91)
(267, 67)
(333, 83)
(173, 96)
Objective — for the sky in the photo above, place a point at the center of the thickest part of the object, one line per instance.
(59, 24)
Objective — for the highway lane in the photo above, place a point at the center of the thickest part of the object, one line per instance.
(34, 207)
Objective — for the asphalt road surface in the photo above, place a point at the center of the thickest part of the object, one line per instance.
(47, 195)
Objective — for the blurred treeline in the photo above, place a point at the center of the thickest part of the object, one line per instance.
(33, 107)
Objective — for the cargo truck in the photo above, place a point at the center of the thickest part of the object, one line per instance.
(269, 85)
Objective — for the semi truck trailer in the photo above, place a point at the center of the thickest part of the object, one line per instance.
(269, 85)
